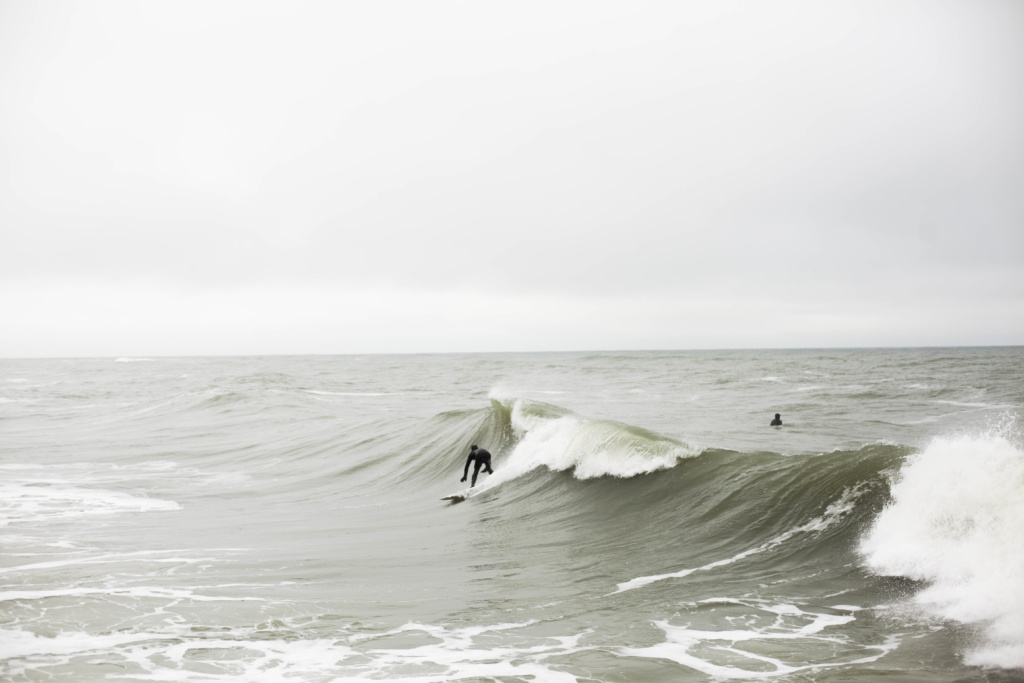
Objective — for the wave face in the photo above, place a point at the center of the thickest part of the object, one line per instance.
(282, 518)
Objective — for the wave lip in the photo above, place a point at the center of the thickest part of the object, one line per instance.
(560, 440)
(955, 520)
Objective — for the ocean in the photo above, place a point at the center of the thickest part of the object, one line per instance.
(280, 518)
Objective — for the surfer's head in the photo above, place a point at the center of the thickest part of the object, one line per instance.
(473, 447)
(778, 415)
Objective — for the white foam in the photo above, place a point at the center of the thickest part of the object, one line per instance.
(133, 592)
(38, 493)
(719, 657)
(975, 404)
(459, 655)
(832, 514)
(150, 556)
(590, 448)
(22, 502)
(955, 520)
(16, 644)
(478, 652)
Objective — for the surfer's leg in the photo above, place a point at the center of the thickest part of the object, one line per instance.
(476, 471)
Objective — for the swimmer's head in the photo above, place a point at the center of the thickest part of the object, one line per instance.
(777, 416)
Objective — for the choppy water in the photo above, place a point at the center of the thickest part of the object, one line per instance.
(278, 519)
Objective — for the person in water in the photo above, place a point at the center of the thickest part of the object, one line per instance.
(777, 422)
(482, 459)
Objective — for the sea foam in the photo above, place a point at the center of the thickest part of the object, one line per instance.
(955, 521)
(590, 448)
(26, 503)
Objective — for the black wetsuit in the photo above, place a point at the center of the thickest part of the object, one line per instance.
(483, 459)
(777, 422)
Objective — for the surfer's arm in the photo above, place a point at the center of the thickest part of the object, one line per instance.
(465, 472)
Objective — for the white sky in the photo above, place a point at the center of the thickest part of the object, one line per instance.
(350, 177)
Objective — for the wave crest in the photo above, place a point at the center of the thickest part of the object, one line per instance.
(955, 519)
(556, 438)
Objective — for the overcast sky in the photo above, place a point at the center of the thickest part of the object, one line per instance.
(350, 177)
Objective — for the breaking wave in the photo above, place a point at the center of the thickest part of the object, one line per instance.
(955, 521)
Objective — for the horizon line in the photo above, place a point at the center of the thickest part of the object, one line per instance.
(136, 357)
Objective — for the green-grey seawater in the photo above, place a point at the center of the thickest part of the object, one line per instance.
(280, 518)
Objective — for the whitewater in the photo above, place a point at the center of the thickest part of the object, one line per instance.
(280, 518)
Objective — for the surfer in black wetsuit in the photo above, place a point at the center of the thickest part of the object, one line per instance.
(482, 459)
(777, 422)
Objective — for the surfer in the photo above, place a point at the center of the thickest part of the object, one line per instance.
(777, 422)
(482, 459)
